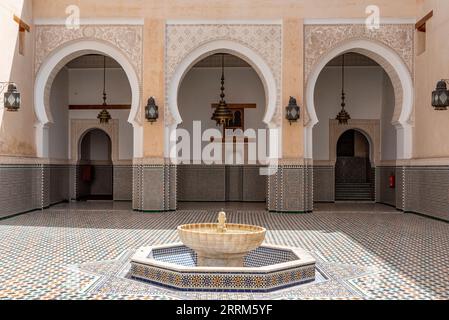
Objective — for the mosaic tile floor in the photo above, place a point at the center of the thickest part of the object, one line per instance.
(82, 252)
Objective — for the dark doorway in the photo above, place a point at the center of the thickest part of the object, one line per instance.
(95, 170)
(353, 172)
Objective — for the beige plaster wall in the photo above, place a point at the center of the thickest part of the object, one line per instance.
(230, 9)
(293, 84)
(17, 129)
(154, 85)
(431, 127)
(14, 140)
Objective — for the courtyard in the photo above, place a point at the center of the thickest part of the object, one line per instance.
(363, 251)
(252, 150)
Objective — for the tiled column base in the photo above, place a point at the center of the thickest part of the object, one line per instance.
(154, 188)
(290, 189)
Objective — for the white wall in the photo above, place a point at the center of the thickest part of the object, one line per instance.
(59, 105)
(86, 86)
(364, 87)
(389, 138)
(201, 88)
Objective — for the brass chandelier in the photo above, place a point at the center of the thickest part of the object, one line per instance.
(343, 117)
(222, 114)
(104, 116)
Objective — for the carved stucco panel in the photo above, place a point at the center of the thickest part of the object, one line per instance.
(265, 39)
(320, 39)
(127, 38)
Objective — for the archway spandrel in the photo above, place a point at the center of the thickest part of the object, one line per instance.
(264, 39)
(127, 38)
(321, 39)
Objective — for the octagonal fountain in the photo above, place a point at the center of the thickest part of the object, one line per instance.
(223, 257)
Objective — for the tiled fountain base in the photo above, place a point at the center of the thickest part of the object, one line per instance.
(267, 269)
(113, 278)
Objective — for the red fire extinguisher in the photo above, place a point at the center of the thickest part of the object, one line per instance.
(392, 181)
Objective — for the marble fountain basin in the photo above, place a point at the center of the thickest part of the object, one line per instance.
(225, 248)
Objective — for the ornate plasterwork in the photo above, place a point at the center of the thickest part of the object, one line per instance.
(127, 38)
(79, 127)
(320, 39)
(264, 39)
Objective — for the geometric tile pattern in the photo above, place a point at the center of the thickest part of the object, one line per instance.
(146, 266)
(82, 251)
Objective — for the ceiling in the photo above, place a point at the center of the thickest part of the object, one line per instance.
(92, 61)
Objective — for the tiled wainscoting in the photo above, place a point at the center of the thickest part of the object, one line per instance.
(27, 187)
(221, 183)
(427, 191)
(123, 183)
(323, 183)
(418, 189)
(20, 188)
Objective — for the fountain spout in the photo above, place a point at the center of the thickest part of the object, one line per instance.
(222, 222)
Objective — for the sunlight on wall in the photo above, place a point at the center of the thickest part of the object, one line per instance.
(10, 31)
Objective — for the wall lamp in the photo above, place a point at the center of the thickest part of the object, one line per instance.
(151, 111)
(293, 111)
(11, 98)
(440, 97)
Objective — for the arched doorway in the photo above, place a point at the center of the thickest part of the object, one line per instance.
(75, 101)
(52, 66)
(95, 170)
(233, 178)
(354, 180)
(400, 78)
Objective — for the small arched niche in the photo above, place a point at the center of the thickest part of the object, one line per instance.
(95, 170)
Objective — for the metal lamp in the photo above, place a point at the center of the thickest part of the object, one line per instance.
(440, 97)
(151, 111)
(11, 98)
(222, 114)
(343, 116)
(293, 111)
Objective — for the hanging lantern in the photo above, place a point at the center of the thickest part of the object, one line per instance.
(151, 111)
(440, 97)
(104, 116)
(222, 115)
(343, 116)
(293, 111)
(11, 98)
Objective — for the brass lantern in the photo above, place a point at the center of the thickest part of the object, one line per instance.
(151, 111)
(11, 98)
(293, 111)
(343, 116)
(222, 115)
(104, 116)
(440, 97)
